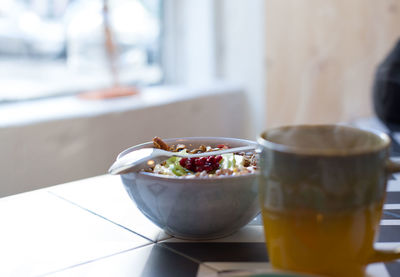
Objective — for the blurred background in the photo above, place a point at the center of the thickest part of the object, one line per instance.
(188, 68)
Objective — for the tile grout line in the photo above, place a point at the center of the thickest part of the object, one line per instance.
(96, 214)
(179, 253)
(187, 257)
(94, 260)
(119, 225)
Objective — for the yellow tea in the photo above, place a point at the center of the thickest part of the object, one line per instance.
(331, 244)
(322, 189)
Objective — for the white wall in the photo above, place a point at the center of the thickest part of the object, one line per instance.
(65, 139)
(189, 41)
(241, 53)
(219, 39)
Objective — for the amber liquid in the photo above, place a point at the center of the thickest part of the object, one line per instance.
(329, 244)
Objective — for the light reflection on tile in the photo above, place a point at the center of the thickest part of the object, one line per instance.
(41, 233)
(375, 270)
(106, 196)
(206, 271)
(240, 267)
(147, 261)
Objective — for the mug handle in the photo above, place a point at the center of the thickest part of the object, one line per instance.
(380, 256)
(392, 166)
(387, 255)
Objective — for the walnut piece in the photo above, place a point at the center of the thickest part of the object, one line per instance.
(159, 143)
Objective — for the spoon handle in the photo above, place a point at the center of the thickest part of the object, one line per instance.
(218, 152)
(131, 159)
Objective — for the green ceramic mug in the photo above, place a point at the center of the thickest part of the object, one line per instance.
(322, 189)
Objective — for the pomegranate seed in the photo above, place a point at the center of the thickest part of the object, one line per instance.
(210, 159)
(201, 161)
(182, 162)
(208, 164)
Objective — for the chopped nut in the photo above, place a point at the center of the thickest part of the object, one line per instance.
(180, 147)
(203, 148)
(159, 143)
(246, 162)
(225, 171)
(203, 174)
(253, 160)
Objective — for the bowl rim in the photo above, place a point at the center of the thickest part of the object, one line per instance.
(185, 179)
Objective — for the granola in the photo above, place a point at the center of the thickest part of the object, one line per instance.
(231, 164)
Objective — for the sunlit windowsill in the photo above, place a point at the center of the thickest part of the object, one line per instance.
(25, 79)
(70, 106)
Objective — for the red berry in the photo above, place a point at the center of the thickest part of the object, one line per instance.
(208, 164)
(188, 164)
(182, 162)
(200, 161)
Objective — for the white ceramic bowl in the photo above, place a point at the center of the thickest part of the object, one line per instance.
(195, 208)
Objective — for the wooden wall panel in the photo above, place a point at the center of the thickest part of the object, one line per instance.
(321, 57)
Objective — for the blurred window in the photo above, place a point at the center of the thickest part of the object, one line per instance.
(54, 47)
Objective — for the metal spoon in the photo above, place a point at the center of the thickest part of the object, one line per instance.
(135, 159)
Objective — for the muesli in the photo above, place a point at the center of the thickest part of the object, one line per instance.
(210, 166)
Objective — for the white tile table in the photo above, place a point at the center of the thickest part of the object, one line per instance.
(92, 228)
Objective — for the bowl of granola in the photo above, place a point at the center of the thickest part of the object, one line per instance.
(196, 198)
